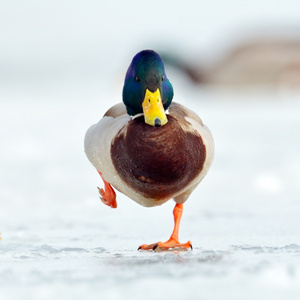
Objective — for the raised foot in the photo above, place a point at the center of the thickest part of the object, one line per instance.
(108, 197)
(168, 245)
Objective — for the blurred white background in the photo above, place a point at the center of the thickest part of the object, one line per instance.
(62, 65)
(68, 40)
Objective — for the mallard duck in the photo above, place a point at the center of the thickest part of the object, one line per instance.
(148, 147)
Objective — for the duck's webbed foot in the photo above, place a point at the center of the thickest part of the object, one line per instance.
(107, 195)
(172, 243)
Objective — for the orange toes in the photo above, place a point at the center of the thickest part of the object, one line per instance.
(108, 197)
(147, 247)
(173, 245)
(168, 245)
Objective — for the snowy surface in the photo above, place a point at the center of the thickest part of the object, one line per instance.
(60, 242)
(62, 64)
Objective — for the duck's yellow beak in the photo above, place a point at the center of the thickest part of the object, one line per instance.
(153, 109)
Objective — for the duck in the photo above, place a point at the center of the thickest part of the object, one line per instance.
(148, 147)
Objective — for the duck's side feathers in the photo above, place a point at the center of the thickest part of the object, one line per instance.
(116, 111)
(181, 113)
(97, 142)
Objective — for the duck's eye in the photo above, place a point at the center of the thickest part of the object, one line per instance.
(163, 78)
(137, 78)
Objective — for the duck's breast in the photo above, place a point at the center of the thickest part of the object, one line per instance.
(158, 162)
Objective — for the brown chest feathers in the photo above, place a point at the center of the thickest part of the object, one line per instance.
(157, 162)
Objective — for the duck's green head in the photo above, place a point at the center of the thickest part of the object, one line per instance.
(147, 89)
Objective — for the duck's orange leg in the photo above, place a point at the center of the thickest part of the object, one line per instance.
(107, 195)
(173, 241)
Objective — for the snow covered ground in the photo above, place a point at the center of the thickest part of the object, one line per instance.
(60, 242)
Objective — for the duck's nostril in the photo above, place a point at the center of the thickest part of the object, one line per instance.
(157, 122)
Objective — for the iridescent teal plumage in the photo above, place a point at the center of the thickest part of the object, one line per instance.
(146, 71)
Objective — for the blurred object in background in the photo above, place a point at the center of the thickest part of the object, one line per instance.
(261, 61)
